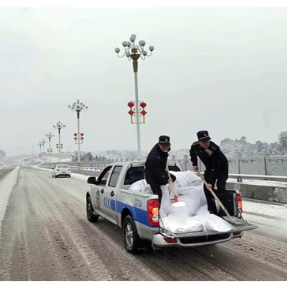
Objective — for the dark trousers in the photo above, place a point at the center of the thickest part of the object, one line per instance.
(221, 178)
(157, 190)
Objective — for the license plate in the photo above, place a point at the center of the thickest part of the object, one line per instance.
(63, 172)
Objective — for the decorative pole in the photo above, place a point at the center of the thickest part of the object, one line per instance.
(134, 52)
(49, 136)
(78, 107)
(59, 126)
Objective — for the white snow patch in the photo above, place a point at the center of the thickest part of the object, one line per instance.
(6, 186)
(274, 210)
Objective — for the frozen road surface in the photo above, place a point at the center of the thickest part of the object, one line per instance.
(44, 235)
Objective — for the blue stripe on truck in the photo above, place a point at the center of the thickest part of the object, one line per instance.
(139, 215)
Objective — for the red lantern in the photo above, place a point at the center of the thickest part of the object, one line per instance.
(82, 138)
(143, 112)
(130, 104)
(131, 112)
(82, 134)
(75, 139)
(143, 104)
(75, 135)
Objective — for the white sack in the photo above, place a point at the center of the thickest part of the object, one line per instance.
(148, 189)
(186, 178)
(166, 208)
(177, 211)
(192, 196)
(192, 204)
(212, 222)
(165, 201)
(203, 210)
(141, 186)
(138, 185)
(182, 224)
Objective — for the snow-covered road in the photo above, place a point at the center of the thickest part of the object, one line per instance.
(45, 236)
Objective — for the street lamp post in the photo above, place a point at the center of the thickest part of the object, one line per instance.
(78, 107)
(49, 136)
(40, 145)
(33, 156)
(43, 144)
(59, 126)
(134, 52)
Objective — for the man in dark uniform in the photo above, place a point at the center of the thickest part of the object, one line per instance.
(155, 166)
(216, 165)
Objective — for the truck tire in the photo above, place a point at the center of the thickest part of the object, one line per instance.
(90, 211)
(131, 239)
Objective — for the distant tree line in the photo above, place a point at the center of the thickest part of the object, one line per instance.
(2, 154)
(232, 148)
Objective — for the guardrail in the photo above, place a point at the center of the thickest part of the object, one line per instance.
(239, 177)
(182, 162)
(85, 168)
(253, 176)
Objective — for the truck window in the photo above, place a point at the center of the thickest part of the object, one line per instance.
(115, 176)
(102, 179)
(173, 168)
(134, 174)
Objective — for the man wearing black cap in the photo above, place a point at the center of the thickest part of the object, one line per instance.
(215, 162)
(155, 166)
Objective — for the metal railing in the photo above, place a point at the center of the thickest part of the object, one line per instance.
(185, 164)
(240, 177)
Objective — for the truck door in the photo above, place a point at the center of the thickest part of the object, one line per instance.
(98, 190)
(108, 202)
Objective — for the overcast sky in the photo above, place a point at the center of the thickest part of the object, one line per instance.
(220, 69)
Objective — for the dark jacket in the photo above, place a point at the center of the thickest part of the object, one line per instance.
(212, 158)
(155, 167)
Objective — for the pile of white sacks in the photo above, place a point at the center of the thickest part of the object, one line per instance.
(190, 214)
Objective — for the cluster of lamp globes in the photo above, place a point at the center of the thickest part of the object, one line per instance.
(130, 46)
(78, 106)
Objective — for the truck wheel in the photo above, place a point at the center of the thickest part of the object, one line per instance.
(90, 211)
(131, 238)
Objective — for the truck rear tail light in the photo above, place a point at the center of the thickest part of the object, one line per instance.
(152, 212)
(169, 240)
(239, 202)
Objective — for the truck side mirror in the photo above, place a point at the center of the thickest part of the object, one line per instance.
(92, 180)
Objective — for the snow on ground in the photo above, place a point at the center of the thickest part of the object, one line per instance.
(80, 176)
(262, 207)
(75, 175)
(6, 186)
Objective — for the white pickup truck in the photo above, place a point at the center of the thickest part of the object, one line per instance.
(136, 213)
